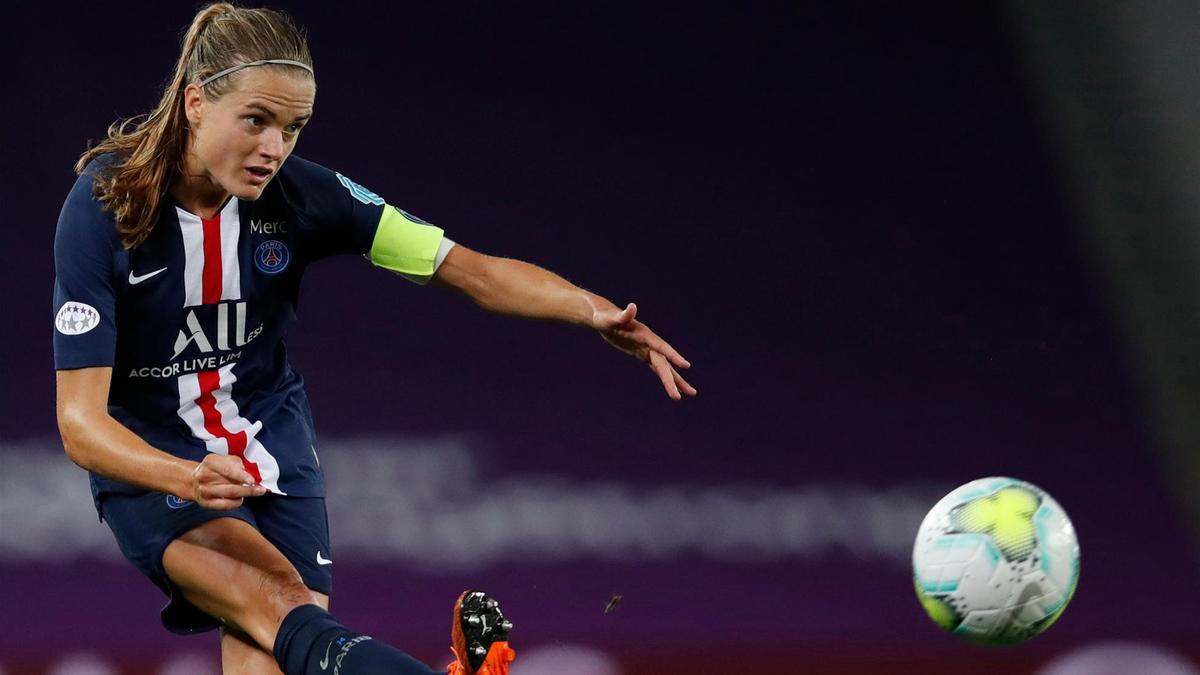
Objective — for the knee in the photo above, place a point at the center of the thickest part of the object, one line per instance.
(263, 599)
(281, 591)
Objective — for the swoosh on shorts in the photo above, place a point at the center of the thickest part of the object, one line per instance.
(325, 661)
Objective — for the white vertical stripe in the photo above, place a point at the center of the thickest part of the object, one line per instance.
(231, 271)
(189, 410)
(231, 420)
(268, 466)
(193, 257)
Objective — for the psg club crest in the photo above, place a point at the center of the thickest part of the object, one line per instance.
(177, 503)
(271, 256)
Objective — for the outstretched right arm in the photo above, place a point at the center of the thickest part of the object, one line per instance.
(101, 444)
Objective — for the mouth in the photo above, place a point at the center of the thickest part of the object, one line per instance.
(258, 174)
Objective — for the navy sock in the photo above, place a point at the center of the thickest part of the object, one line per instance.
(312, 642)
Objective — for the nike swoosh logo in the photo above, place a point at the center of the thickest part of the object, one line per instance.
(323, 561)
(325, 661)
(134, 279)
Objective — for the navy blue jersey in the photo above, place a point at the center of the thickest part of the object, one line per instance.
(192, 320)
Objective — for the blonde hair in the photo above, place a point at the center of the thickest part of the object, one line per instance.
(149, 153)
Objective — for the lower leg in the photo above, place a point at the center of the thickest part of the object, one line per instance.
(241, 656)
(227, 569)
(479, 636)
(310, 641)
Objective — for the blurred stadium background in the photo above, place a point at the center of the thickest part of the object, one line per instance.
(904, 248)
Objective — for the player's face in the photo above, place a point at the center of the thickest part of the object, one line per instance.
(242, 139)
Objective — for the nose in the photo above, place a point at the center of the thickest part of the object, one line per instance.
(272, 145)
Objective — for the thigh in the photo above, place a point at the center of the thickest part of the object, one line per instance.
(240, 656)
(230, 571)
(144, 524)
(299, 528)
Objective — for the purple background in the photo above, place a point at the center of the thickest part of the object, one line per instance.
(847, 218)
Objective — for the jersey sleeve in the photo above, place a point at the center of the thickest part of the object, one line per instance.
(85, 244)
(345, 217)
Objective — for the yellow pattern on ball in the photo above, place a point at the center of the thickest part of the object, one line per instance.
(1006, 516)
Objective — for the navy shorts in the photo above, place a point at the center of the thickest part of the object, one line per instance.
(145, 523)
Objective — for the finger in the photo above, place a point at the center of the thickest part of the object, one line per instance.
(231, 491)
(673, 356)
(222, 492)
(683, 385)
(220, 505)
(612, 318)
(230, 468)
(653, 341)
(659, 363)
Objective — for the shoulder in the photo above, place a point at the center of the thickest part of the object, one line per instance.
(326, 196)
(300, 171)
(308, 175)
(83, 215)
(101, 167)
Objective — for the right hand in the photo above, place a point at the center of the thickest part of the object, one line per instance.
(621, 329)
(221, 482)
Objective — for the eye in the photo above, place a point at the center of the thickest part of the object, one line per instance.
(255, 120)
(295, 128)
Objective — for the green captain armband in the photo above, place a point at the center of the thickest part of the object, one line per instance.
(406, 245)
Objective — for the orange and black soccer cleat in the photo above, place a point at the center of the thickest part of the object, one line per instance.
(479, 637)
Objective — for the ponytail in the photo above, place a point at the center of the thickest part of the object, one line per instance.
(149, 149)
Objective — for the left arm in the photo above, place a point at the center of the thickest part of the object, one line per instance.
(516, 288)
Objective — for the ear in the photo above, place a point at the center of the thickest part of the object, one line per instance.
(193, 104)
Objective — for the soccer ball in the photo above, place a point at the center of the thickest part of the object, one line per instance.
(996, 561)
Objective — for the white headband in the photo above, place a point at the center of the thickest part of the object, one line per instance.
(238, 67)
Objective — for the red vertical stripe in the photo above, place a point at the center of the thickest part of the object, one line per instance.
(210, 380)
(213, 264)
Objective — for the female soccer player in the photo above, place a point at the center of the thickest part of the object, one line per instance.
(178, 260)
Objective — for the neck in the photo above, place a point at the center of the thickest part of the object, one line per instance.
(196, 191)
